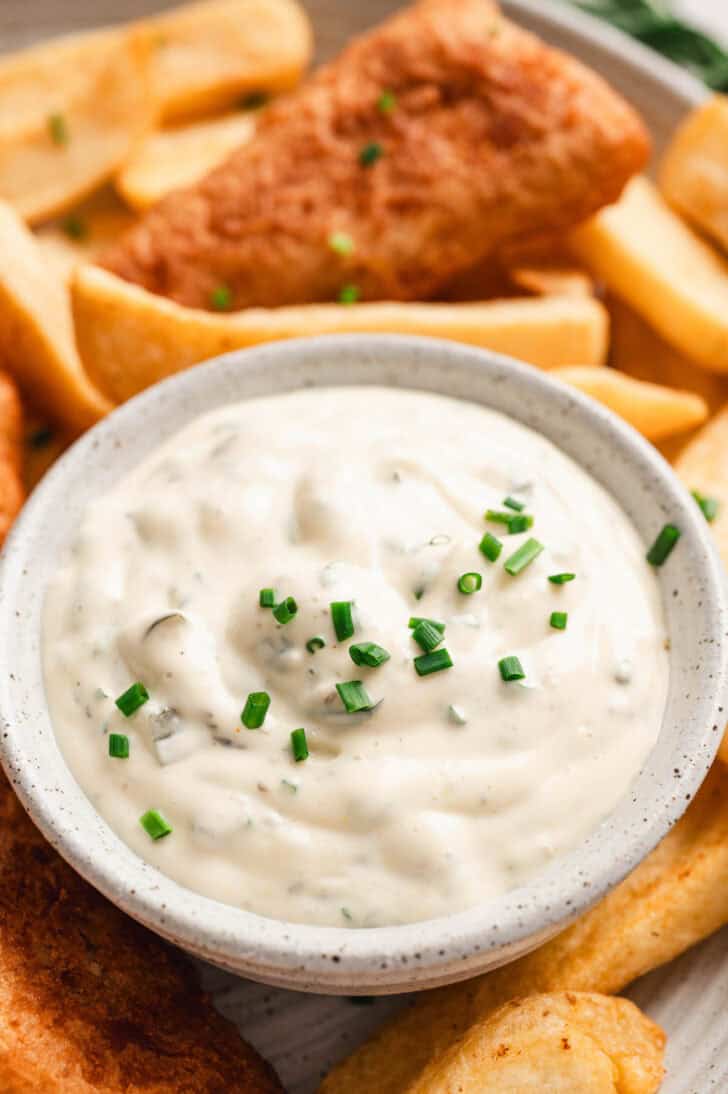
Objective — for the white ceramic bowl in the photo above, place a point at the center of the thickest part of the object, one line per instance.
(344, 960)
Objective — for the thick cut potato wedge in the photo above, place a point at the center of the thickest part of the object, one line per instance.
(180, 156)
(655, 262)
(11, 451)
(656, 411)
(36, 331)
(130, 338)
(72, 110)
(676, 897)
(568, 1042)
(208, 55)
(84, 232)
(694, 171)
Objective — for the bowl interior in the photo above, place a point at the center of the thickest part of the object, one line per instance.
(381, 959)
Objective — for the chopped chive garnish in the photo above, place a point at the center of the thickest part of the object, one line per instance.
(220, 298)
(663, 545)
(708, 505)
(133, 698)
(349, 294)
(561, 579)
(267, 598)
(426, 636)
(470, 583)
(558, 620)
(370, 153)
(514, 503)
(523, 557)
(519, 522)
(255, 709)
(415, 620)
(434, 661)
(497, 516)
(154, 824)
(316, 643)
(58, 129)
(490, 546)
(342, 619)
(299, 745)
(386, 102)
(511, 669)
(369, 654)
(286, 610)
(119, 746)
(341, 243)
(354, 696)
(74, 226)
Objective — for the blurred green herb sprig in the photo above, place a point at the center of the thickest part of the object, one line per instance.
(656, 27)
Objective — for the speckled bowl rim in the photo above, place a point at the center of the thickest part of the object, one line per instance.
(344, 960)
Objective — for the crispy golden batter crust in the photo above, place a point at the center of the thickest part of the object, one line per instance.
(11, 454)
(92, 1002)
(494, 136)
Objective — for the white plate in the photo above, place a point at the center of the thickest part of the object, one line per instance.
(302, 1034)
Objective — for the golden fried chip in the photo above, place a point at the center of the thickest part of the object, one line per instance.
(210, 55)
(84, 232)
(694, 170)
(648, 256)
(180, 156)
(73, 109)
(11, 431)
(567, 1042)
(36, 333)
(130, 338)
(656, 411)
(676, 897)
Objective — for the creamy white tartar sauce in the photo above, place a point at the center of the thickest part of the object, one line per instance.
(456, 785)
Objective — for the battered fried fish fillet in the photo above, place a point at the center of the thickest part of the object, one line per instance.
(431, 142)
(11, 454)
(90, 1001)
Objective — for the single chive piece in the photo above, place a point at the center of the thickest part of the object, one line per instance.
(513, 503)
(519, 522)
(523, 557)
(267, 598)
(74, 226)
(435, 661)
(341, 243)
(511, 669)
(354, 696)
(254, 100)
(469, 583)
(58, 129)
(426, 636)
(119, 746)
(369, 654)
(316, 643)
(370, 153)
(490, 546)
(291, 787)
(255, 709)
(386, 102)
(154, 824)
(415, 620)
(663, 545)
(457, 715)
(708, 505)
(561, 579)
(299, 745)
(286, 610)
(497, 516)
(342, 619)
(133, 698)
(349, 294)
(220, 298)
(558, 620)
